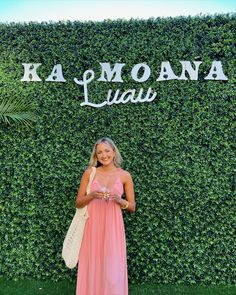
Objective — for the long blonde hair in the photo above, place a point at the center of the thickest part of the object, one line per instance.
(93, 158)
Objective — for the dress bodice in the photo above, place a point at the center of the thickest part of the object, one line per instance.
(108, 183)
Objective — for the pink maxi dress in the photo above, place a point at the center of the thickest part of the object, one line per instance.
(102, 267)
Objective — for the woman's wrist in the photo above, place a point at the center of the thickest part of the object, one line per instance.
(91, 196)
(125, 206)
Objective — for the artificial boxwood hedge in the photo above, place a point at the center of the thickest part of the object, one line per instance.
(178, 148)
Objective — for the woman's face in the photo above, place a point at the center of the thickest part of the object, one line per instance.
(105, 154)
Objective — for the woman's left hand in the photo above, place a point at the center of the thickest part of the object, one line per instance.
(117, 199)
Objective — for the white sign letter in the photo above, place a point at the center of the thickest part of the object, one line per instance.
(186, 67)
(146, 74)
(217, 71)
(30, 72)
(56, 74)
(86, 80)
(107, 69)
(166, 71)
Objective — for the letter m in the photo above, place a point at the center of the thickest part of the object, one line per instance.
(111, 72)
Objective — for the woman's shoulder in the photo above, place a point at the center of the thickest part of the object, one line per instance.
(88, 171)
(125, 175)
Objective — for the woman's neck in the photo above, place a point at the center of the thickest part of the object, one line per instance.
(109, 168)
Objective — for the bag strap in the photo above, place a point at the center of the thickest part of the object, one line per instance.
(91, 179)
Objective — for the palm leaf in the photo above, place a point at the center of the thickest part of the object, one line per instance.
(17, 111)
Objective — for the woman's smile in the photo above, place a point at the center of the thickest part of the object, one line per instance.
(105, 154)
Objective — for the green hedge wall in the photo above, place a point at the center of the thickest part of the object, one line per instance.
(178, 148)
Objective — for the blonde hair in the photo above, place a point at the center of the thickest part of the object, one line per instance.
(93, 158)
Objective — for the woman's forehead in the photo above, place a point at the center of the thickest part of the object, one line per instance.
(103, 145)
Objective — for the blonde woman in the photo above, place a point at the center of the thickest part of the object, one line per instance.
(102, 268)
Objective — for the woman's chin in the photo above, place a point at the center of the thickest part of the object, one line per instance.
(106, 163)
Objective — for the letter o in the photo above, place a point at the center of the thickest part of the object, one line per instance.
(146, 74)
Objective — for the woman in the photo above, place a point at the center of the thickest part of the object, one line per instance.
(102, 268)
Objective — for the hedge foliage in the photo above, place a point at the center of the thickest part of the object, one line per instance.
(178, 148)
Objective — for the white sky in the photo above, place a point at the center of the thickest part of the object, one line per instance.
(97, 10)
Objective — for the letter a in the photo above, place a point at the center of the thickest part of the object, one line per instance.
(166, 72)
(56, 74)
(217, 71)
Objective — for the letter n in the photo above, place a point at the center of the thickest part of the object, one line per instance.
(186, 67)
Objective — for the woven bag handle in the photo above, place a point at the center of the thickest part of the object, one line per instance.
(91, 179)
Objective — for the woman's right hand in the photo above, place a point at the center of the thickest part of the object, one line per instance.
(96, 195)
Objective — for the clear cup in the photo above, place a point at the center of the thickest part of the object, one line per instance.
(106, 193)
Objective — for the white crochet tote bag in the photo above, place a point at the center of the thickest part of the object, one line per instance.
(74, 236)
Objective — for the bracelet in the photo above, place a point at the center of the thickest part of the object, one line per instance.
(125, 206)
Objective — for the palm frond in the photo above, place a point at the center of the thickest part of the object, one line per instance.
(17, 111)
